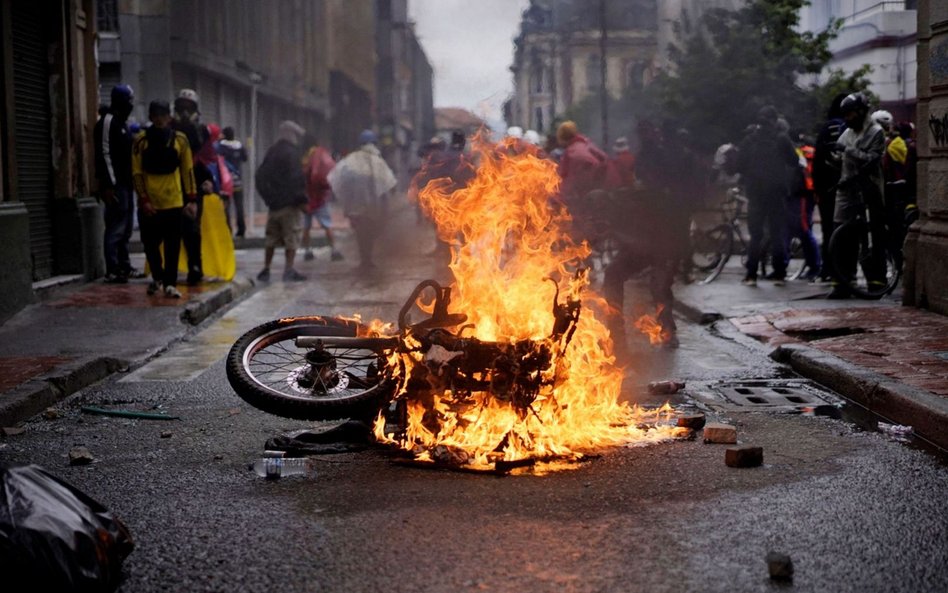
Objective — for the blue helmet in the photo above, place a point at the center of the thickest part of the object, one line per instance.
(367, 137)
(122, 93)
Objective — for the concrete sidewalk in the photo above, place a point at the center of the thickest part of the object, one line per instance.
(80, 333)
(891, 359)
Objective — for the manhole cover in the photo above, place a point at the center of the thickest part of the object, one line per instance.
(766, 395)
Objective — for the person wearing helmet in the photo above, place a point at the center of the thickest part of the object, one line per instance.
(187, 120)
(113, 169)
(884, 119)
(860, 186)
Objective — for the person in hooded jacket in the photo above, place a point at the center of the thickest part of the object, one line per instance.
(113, 160)
(767, 160)
(583, 167)
(362, 181)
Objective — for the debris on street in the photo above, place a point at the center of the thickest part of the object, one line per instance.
(780, 567)
(716, 432)
(80, 456)
(692, 421)
(129, 413)
(744, 456)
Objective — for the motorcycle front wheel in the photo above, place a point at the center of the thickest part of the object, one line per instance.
(335, 376)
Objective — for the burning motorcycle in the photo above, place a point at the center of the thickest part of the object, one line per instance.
(325, 368)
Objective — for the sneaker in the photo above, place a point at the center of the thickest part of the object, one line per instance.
(195, 278)
(172, 292)
(153, 288)
(135, 273)
(749, 281)
(116, 279)
(779, 281)
(336, 256)
(264, 275)
(308, 255)
(292, 275)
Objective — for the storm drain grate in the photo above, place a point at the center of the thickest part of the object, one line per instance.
(769, 395)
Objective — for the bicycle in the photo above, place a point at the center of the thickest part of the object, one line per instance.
(712, 249)
(877, 267)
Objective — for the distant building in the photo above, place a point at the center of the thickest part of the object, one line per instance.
(557, 55)
(882, 34)
(404, 81)
(451, 119)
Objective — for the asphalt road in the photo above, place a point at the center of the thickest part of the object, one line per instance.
(855, 511)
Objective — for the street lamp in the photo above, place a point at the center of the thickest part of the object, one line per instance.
(250, 194)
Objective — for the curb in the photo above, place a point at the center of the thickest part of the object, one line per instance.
(36, 395)
(925, 413)
(32, 397)
(695, 314)
(197, 311)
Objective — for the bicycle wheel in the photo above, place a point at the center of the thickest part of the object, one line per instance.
(345, 378)
(711, 251)
(880, 283)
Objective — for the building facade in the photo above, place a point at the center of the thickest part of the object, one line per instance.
(926, 246)
(49, 224)
(558, 56)
(875, 32)
(404, 82)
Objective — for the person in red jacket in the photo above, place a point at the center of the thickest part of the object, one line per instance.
(584, 167)
(317, 163)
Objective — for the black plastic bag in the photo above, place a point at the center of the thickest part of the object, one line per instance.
(53, 537)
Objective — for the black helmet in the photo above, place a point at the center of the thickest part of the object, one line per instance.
(854, 102)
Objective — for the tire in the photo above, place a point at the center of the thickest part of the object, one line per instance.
(264, 368)
(854, 232)
(711, 251)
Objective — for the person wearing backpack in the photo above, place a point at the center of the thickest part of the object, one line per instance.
(163, 175)
(282, 186)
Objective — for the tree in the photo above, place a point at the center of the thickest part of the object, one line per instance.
(740, 60)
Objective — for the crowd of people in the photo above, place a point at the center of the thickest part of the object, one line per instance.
(641, 204)
(859, 166)
(181, 176)
(859, 161)
(185, 180)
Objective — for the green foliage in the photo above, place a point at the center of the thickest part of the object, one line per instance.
(741, 60)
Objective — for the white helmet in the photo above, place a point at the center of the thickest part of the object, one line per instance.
(189, 95)
(883, 118)
(515, 132)
(532, 137)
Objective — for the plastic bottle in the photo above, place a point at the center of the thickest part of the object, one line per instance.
(274, 468)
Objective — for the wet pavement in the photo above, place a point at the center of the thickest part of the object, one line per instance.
(855, 510)
(886, 357)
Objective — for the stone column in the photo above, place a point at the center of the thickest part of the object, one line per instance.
(926, 246)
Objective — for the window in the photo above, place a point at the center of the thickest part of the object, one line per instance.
(593, 72)
(538, 119)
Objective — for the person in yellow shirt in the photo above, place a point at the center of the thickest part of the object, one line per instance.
(163, 174)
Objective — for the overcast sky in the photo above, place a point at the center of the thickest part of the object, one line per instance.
(470, 46)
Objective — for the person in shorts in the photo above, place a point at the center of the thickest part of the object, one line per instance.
(282, 186)
(317, 164)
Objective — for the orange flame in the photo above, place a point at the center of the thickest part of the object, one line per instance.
(507, 240)
(649, 325)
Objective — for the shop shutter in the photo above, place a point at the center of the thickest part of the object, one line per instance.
(32, 144)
